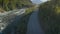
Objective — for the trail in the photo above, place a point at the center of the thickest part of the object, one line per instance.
(33, 26)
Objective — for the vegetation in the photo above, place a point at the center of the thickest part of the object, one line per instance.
(22, 27)
(49, 16)
(13, 4)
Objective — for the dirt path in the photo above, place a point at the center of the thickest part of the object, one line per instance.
(33, 24)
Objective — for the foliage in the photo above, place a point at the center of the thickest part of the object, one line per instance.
(13, 4)
(49, 14)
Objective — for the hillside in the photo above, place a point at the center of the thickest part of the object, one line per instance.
(13, 4)
(49, 16)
